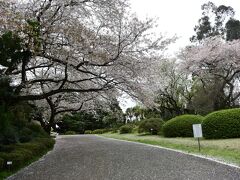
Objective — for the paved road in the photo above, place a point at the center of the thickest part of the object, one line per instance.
(95, 158)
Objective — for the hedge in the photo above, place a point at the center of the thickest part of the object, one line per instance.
(222, 124)
(88, 132)
(126, 129)
(1, 163)
(152, 126)
(23, 153)
(100, 131)
(181, 126)
(70, 133)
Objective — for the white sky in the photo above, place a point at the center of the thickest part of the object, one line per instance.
(174, 17)
(177, 16)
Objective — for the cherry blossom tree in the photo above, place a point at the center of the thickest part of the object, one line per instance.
(69, 47)
(215, 63)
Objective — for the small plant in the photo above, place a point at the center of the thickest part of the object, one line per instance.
(151, 126)
(222, 124)
(181, 126)
(126, 129)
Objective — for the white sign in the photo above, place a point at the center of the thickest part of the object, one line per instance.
(197, 130)
(9, 162)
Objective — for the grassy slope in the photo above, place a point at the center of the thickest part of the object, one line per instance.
(6, 173)
(227, 150)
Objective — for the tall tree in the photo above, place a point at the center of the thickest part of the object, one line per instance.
(213, 20)
(76, 47)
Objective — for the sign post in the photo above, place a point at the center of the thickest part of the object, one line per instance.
(9, 163)
(197, 132)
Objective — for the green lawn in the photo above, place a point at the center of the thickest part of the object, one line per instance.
(227, 150)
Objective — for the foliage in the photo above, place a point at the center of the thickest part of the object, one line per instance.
(181, 126)
(73, 123)
(88, 132)
(70, 133)
(215, 67)
(15, 126)
(1, 163)
(99, 131)
(232, 29)
(151, 126)
(71, 72)
(219, 15)
(20, 154)
(128, 128)
(222, 124)
(174, 95)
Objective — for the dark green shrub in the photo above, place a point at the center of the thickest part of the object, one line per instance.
(126, 129)
(100, 131)
(25, 135)
(37, 130)
(181, 126)
(48, 142)
(20, 154)
(114, 130)
(18, 157)
(152, 126)
(70, 133)
(222, 124)
(1, 163)
(88, 132)
(34, 147)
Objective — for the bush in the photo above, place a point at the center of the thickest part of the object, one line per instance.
(20, 154)
(70, 133)
(100, 131)
(152, 126)
(181, 126)
(222, 124)
(114, 130)
(1, 163)
(88, 132)
(37, 129)
(126, 129)
(48, 142)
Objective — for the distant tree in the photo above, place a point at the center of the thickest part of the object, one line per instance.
(232, 29)
(213, 21)
(215, 63)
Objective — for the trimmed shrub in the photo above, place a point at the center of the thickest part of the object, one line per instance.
(125, 129)
(222, 124)
(152, 126)
(181, 126)
(70, 133)
(88, 132)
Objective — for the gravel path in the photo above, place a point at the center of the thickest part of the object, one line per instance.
(90, 157)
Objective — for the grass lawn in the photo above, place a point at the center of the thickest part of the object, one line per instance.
(227, 150)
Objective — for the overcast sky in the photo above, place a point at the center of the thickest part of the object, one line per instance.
(174, 17)
(177, 16)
